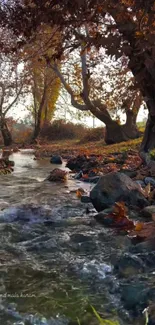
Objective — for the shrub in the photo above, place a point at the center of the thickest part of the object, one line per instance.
(60, 130)
(95, 134)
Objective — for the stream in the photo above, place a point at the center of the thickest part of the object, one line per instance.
(55, 262)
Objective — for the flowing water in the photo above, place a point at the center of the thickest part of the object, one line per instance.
(54, 261)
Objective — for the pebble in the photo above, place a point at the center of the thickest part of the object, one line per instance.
(150, 180)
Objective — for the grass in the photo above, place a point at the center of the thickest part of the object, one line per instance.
(102, 321)
(69, 147)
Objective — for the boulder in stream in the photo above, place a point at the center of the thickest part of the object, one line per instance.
(56, 159)
(129, 265)
(149, 212)
(115, 187)
(57, 175)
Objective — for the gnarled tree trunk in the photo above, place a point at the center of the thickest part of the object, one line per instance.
(116, 133)
(6, 134)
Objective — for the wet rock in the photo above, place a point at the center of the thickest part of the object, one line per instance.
(148, 259)
(147, 212)
(150, 180)
(134, 295)
(130, 173)
(82, 162)
(103, 217)
(141, 183)
(57, 175)
(151, 313)
(85, 199)
(129, 265)
(56, 159)
(93, 179)
(146, 246)
(114, 187)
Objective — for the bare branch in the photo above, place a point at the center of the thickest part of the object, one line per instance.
(14, 101)
(55, 68)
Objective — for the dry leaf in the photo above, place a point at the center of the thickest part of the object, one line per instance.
(147, 232)
(139, 226)
(120, 209)
(147, 190)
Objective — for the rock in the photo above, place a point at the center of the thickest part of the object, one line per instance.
(77, 162)
(150, 180)
(103, 218)
(130, 173)
(129, 265)
(141, 183)
(143, 247)
(56, 159)
(147, 212)
(134, 295)
(115, 187)
(57, 175)
(85, 199)
(93, 179)
(82, 162)
(151, 313)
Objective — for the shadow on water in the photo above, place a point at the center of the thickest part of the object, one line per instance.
(54, 262)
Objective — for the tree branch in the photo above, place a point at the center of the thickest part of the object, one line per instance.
(2, 97)
(14, 101)
(74, 102)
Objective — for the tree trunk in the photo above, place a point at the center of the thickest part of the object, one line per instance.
(36, 132)
(148, 142)
(116, 133)
(6, 134)
(130, 127)
(38, 122)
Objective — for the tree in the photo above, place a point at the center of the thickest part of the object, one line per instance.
(129, 29)
(12, 85)
(103, 90)
(44, 85)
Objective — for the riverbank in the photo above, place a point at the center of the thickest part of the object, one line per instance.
(74, 147)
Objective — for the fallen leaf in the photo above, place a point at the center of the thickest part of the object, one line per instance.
(120, 209)
(147, 232)
(139, 226)
(80, 192)
(85, 176)
(147, 190)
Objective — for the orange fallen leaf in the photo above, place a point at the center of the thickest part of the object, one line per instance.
(85, 176)
(139, 226)
(120, 209)
(146, 233)
(78, 194)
